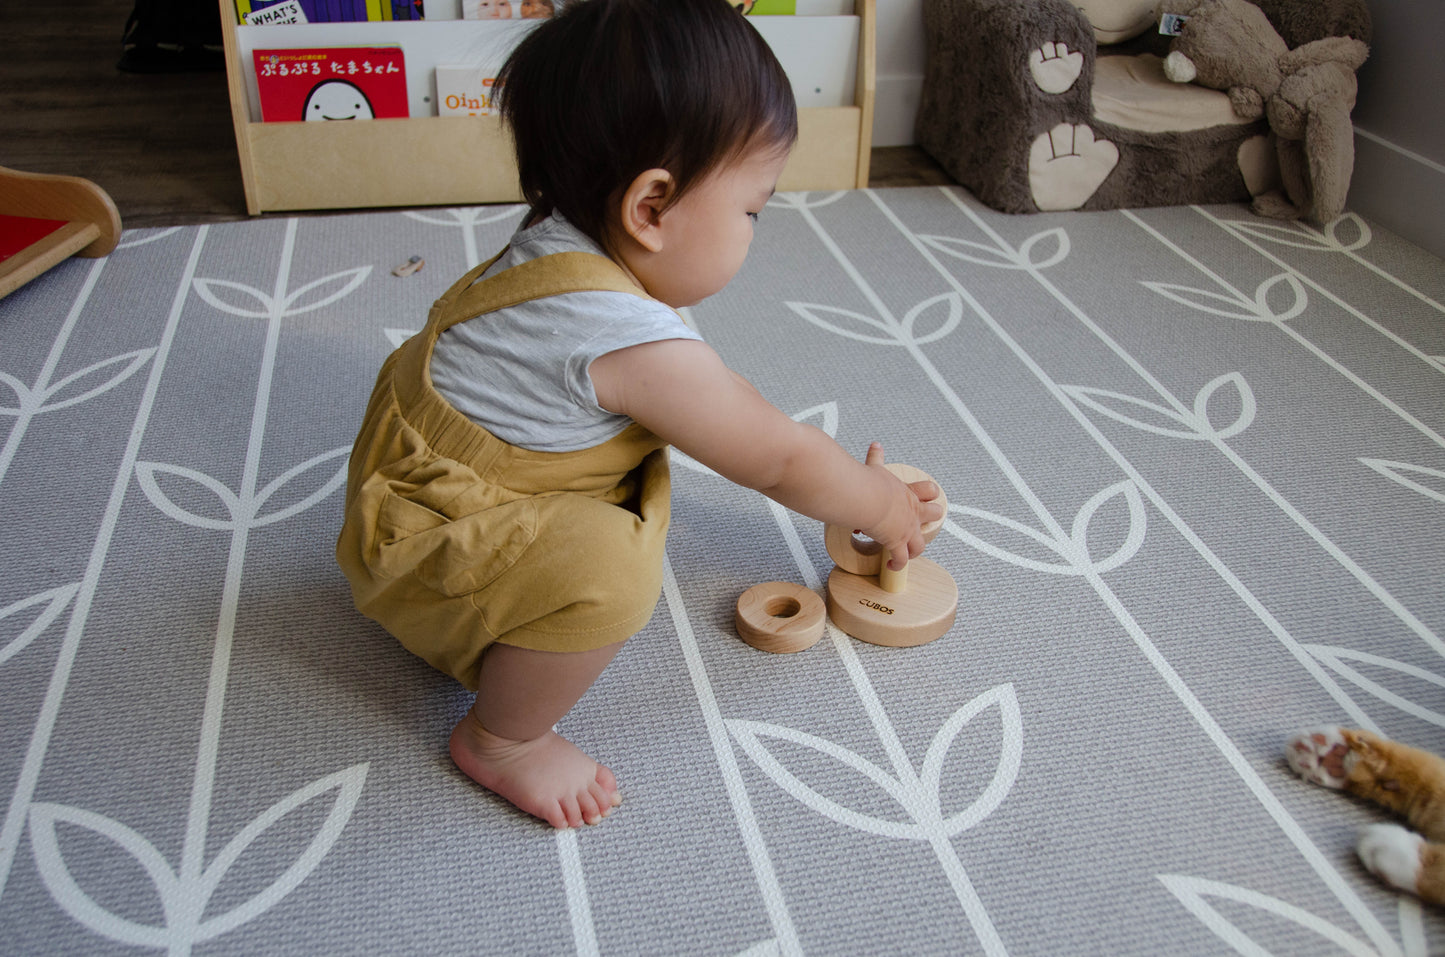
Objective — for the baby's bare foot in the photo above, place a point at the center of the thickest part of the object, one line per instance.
(546, 776)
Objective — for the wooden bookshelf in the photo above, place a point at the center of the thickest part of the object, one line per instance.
(450, 160)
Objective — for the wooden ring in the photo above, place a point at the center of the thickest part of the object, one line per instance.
(781, 617)
(866, 558)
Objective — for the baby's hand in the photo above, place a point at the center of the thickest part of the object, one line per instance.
(910, 507)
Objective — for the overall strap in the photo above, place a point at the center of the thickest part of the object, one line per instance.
(537, 278)
(472, 275)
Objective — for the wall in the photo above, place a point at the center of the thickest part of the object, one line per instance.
(900, 71)
(1399, 179)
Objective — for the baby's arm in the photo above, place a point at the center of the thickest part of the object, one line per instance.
(682, 391)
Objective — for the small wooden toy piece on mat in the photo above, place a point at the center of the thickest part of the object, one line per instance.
(874, 603)
(781, 617)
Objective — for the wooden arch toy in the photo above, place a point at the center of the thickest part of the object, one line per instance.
(872, 602)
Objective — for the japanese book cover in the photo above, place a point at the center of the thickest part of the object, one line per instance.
(336, 83)
(262, 12)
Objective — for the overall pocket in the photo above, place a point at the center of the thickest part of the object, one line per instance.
(418, 534)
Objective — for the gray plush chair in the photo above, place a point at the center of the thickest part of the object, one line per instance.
(1028, 125)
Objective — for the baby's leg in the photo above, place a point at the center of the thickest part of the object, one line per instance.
(506, 743)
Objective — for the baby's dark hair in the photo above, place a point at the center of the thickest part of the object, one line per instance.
(609, 89)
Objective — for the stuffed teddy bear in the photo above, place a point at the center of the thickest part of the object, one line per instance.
(1405, 780)
(1306, 93)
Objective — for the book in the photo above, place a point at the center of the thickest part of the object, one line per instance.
(510, 9)
(464, 90)
(766, 8)
(262, 12)
(331, 83)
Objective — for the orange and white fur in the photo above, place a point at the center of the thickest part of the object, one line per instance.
(1405, 780)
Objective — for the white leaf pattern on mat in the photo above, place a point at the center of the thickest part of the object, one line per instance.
(146, 474)
(919, 796)
(1335, 658)
(347, 784)
(211, 290)
(980, 254)
(1193, 893)
(50, 602)
(1197, 424)
(953, 314)
(1073, 549)
(894, 334)
(328, 486)
(1409, 476)
(816, 315)
(142, 237)
(342, 283)
(1001, 255)
(82, 384)
(182, 903)
(49, 861)
(1300, 236)
(1232, 305)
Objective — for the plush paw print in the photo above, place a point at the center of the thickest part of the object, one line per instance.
(1319, 755)
(1055, 67)
(1066, 166)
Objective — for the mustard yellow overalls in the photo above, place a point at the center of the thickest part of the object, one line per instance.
(454, 539)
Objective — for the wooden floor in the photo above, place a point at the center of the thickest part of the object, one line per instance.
(162, 145)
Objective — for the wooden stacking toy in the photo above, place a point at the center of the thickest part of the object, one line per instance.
(874, 603)
(781, 617)
(866, 599)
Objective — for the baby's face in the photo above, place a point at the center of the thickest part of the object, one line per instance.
(707, 233)
(495, 9)
(536, 10)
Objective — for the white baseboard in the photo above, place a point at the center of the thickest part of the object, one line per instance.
(1399, 189)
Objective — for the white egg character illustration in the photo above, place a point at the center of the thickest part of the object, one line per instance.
(337, 100)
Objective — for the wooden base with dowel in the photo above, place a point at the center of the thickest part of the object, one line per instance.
(882, 606)
(866, 599)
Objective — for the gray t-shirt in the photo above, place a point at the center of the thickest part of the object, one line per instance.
(523, 373)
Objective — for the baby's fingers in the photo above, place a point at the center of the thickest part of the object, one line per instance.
(930, 509)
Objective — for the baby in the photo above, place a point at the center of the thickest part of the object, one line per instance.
(508, 495)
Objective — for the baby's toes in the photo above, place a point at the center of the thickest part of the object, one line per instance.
(592, 806)
(1318, 755)
(1392, 854)
(606, 780)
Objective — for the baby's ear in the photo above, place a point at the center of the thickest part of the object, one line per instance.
(642, 205)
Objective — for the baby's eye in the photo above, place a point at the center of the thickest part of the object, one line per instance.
(753, 216)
